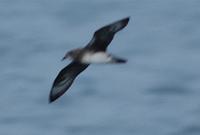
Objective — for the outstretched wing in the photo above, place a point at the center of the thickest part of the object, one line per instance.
(65, 79)
(103, 36)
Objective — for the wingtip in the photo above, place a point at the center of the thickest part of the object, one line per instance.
(53, 96)
(51, 99)
(126, 20)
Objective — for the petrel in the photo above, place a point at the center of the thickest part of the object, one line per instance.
(93, 52)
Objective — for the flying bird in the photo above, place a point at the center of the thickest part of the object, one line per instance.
(93, 52)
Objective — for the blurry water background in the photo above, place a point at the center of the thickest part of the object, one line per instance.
(156, 93)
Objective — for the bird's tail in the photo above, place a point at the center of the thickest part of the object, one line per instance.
(118, 60)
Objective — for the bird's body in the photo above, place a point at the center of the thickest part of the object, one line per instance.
(94, 52)
(87, 56)
(96, 58)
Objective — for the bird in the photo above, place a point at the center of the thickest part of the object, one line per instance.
(94, 52)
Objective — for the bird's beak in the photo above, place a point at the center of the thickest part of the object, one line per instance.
(65, 57)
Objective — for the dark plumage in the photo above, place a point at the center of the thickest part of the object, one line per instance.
(98, 45)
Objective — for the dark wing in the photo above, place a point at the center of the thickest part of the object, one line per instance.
(103, 36)
(65, 79)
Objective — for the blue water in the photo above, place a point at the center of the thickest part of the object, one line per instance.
(156, 93)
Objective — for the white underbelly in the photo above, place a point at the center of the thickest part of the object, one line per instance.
(98, 57)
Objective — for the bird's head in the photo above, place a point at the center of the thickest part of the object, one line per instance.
(71, 54)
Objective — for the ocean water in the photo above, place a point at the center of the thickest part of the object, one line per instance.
(156, 93)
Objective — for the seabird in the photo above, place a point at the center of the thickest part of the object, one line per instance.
(93, 52)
